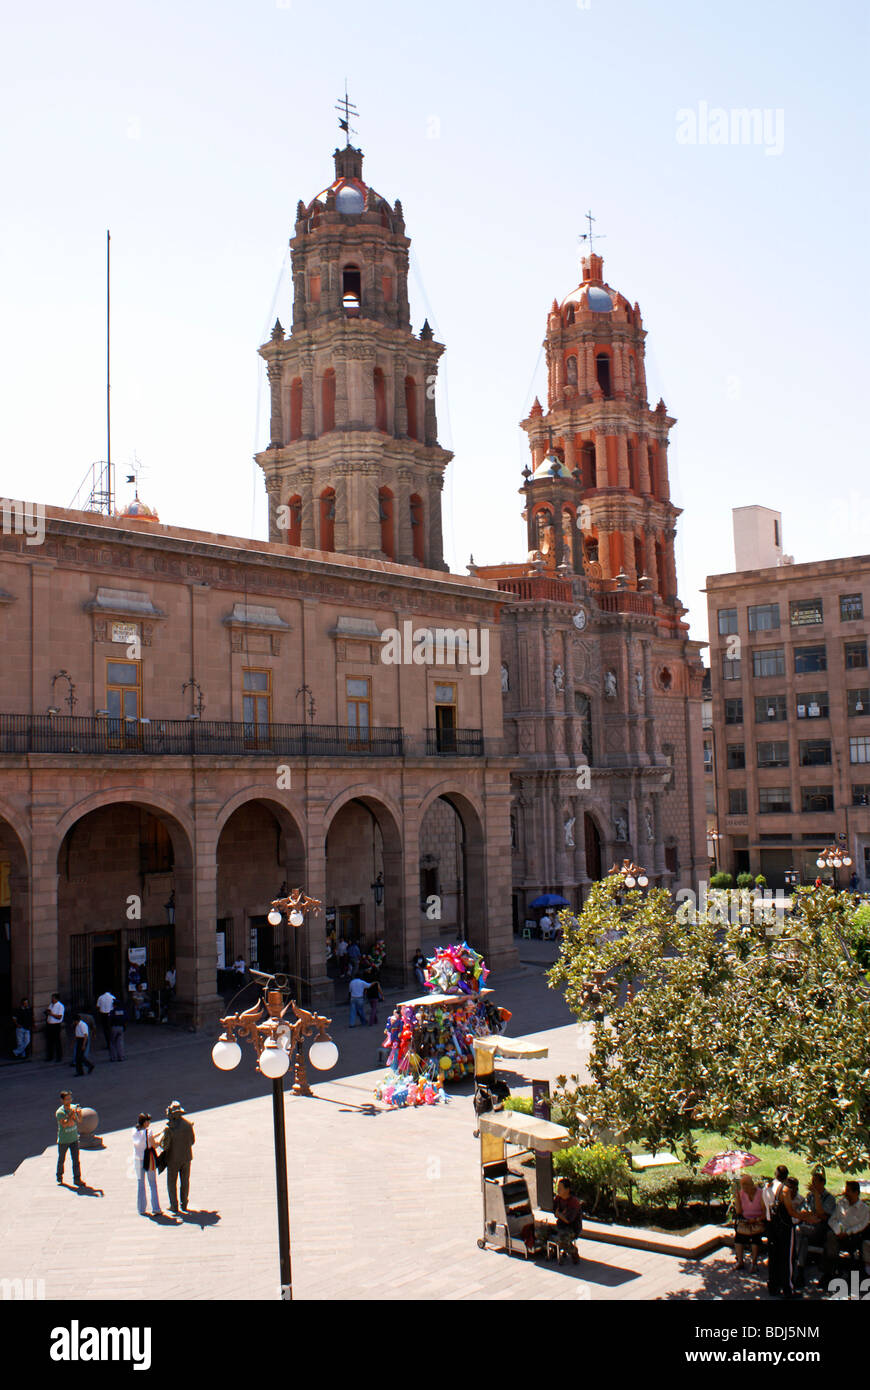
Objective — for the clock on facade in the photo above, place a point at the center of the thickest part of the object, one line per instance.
(580, 619)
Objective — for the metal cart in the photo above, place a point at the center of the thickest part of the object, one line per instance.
(510, 1200)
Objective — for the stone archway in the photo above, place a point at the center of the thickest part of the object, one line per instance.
(451, 834)
(260, 852)
(364, 848)
(15, 982)
(125, 881)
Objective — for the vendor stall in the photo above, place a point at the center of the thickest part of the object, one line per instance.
(430, 1040)
(512, 1207)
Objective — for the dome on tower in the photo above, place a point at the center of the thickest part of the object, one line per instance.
(551, 467)
(593, 297)
(138, 510)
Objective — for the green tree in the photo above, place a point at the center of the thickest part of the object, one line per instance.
(757, 1030)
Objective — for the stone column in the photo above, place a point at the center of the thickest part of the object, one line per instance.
(274, 373)
(309, 536)
(430, 419)
(649, 542)
(314, 948)
(619, 382)
(581, 873)
(207, 1003)
(308, 424)
(341, 401)
(628, 556)
(642, 466)
(658, 847)
(345, 507)
(49, 954)
(400, 410)
(592, 387)
(273, 492)
(402, 518)
(664, 485)
(601, 470)
(623, 475)
(435, 549)
(570, 455)
(604, 554)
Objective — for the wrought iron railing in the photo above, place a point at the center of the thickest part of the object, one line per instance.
(455, 743)
(43, 733)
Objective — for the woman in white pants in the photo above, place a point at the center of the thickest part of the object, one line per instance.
(145, 1158)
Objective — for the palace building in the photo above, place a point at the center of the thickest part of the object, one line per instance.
(191, 722)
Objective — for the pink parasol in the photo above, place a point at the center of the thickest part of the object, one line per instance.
(730, 1162)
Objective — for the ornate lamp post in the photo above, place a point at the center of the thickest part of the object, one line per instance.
(714, 836)
(276, 1029)
(832, 858)
(632, 874)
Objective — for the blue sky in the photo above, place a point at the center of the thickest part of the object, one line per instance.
(192, 129)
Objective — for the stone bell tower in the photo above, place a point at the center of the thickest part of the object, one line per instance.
(353, 464)
(597, 493)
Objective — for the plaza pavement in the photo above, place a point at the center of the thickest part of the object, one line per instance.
(383, 1204)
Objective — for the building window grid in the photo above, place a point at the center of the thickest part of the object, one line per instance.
(858, 700)
(855, 656)
(768, 661)
(814, 752)
(859, 748)
(770, 708)
(812, 704)
(763, 617)
(772, 753)
(851, 607)
(773, 799)
(727, 621)
(808, 659)
(734, 710)
(806, 612)
(735, 755)
(817, 800)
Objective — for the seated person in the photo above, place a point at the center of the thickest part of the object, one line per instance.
(569, 1223)
(813, 1228)
(749, 1222)
(848, 1226)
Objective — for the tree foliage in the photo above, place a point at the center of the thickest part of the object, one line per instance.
(758, 1031)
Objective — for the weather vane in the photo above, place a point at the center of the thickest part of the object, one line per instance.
(590, 235)
(345, 106)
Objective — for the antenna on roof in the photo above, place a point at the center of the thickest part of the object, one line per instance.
(347, 107)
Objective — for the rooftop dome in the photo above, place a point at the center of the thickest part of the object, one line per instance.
(545, 469)
(350, 196)
(139, 510)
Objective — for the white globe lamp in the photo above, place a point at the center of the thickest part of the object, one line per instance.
(274, 1061)
(296, 918)
(323, 1054)
(226, 1054)
(274, 918)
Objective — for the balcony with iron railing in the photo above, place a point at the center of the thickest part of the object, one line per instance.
(102, 735)
(454, 743)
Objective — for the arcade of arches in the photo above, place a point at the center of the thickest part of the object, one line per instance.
(130, 874)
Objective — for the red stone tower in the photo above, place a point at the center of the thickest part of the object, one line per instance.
(597, 495)
(354, 463)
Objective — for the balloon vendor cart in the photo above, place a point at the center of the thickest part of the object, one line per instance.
(429, 1040)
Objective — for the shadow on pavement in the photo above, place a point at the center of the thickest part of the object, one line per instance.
(200, 1218)
(723, 1280)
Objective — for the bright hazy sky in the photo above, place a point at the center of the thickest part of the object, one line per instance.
(192, 129)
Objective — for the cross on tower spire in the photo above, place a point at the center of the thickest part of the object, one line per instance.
(590, 235)
(345, 105)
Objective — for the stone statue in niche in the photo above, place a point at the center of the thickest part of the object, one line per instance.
(650, 830)
(610, 685)
(569, 832)
(638, 681)
(558, 678)
(505, 679)
(620, 824)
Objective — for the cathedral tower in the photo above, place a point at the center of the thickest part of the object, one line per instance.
(353, 464)
(597, 493)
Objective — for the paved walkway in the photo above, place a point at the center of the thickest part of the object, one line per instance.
(384, 1204)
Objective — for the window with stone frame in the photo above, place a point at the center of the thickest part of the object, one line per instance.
(770, 708)
(734, 710)
(737, 803)
(855, 654)
(851, 607)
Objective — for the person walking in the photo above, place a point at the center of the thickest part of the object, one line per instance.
(68, 1116)
(357, 991)
(83, 1038)
(373, 995)
(117, 1051)
(23, 1029)
(177, 1144)
(145, 1159)
(105, 1005)
(54, 1029)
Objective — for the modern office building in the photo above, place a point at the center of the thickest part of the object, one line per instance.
(791, 715)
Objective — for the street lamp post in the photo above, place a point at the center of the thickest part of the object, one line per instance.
(277, 1040)
(715, 836)
(832, 858)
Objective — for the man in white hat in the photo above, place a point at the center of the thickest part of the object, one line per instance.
(177, 1145)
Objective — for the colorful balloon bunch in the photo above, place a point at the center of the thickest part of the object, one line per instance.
(456, 969)
(399, 1089)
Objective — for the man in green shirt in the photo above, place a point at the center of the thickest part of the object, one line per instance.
(68, 1120)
